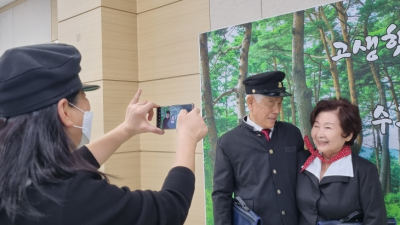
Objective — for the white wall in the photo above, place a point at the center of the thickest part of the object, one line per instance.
(25, 24)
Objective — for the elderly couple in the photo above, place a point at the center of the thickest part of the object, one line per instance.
(263, 161)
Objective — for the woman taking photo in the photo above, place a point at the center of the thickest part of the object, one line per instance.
(45, 116)
(333, 182)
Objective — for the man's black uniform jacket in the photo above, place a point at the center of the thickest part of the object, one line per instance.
(262, 173)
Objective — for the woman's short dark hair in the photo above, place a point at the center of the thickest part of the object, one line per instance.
(348, 115)
(34, 147)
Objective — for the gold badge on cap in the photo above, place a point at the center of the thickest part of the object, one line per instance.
(254, 91)
(279, 84)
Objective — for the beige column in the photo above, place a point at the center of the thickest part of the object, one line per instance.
(105, 32)
(168, 41)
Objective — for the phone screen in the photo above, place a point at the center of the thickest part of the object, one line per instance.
(168, 115)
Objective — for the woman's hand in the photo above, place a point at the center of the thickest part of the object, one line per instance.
(135, 118)
(191, 129)
(191, 125)
(135, 123)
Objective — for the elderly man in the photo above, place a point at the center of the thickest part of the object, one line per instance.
(257, 159)
(166, 120)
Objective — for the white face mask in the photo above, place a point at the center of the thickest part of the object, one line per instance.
(86, 126)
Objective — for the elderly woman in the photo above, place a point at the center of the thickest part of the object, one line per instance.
(45, 116)
(333, 182)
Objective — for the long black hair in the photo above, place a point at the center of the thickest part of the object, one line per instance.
(35, 148)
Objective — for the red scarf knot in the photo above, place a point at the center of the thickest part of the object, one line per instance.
(345, 151)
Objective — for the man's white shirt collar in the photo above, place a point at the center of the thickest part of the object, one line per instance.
(255, 126)
(342, 167)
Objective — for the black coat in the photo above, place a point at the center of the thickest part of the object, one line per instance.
(335, 197)
(86, 199)
(165, 123)
(262, 173)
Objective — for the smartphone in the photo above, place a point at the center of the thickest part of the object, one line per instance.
(168, 115)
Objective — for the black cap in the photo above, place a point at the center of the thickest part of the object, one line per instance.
(37, 76)
(268, 83)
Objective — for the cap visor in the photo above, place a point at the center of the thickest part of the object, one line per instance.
(89, 87)
(277, 94)
(285, 94)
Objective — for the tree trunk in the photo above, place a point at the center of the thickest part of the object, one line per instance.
(343, 17)
(226, 101)
(375, 138)
(332, 65)
(317, 84)
(376, 150)
(379, 141)
(275, 63)
(302, 93)
(281, 114)
(396, 102)
(292, 105)
(243, 71)
(385, 165)
(281, 110)
(349, 61)
(207, 96)
(389, 180)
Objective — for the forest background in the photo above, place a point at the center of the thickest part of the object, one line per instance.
(345, 49)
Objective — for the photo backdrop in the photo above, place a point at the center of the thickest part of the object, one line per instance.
(345, 49)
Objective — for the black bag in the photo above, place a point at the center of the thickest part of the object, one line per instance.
(242, 215)
(354, 218)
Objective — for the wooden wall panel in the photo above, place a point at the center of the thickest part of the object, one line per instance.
(119, 32)
(123, 5)
(84, 32)
(126, 167)
(197, 209)
(154, 169)
(117, 96)
(145, 5)
(173, 91)
(168, 39)
(71, 8)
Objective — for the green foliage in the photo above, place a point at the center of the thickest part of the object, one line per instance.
(392, 202)
(209, 208)
(394, 171)
(208, 174)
